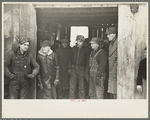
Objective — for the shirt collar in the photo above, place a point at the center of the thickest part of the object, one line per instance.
(112, 42)
(19, 52)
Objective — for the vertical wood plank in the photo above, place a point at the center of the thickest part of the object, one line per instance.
(7, 28)
(16, 28)
(126, 51)
(58, 32)
(131, 39)
(141, 41)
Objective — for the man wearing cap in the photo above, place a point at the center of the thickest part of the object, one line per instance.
(97, 69)
(112, 80)
(48, 76)
(64, 61)
(18, 67)
(79, 61)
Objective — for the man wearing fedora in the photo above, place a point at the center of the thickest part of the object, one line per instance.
(112, 80)
(97, 69)
(79, 62)
(64, 61)
(21, 68)
(48, 76)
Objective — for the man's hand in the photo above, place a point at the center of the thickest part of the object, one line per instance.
(139, 88)
(11, 76)
(41, 86)
(30, 76)
(69, 71)
(56, 82)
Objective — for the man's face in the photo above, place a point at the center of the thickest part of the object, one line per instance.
(24, 46)
(64, 45)
(94, 45)
(79, 42)
(111, 36)
(45, 49)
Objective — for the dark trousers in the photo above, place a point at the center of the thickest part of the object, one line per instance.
(19, 89)
(77, 75)
(50, 93)
(62, 94)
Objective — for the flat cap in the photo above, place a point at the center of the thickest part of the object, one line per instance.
(64, 40)
(46, 43)
(97, 41)
(80, 37)
(23, 40)
(111, 30)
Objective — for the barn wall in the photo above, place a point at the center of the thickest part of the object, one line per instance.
(21, 24)
(132, 38)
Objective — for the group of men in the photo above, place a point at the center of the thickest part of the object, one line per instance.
(64, 73)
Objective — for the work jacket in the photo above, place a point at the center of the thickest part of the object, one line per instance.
(64, 59)
(80, 56)
(112, 84)
(20, 64)
(49, 68)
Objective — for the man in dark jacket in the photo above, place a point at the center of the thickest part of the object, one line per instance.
(97, 71)
(141, 78)
(48, 76)
(79, 61)
(64, 59)
(18, 67)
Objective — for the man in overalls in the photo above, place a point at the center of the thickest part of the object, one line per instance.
(97, 69)
(112, 80)
(18, 67)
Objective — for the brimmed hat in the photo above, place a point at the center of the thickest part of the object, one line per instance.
(64, 40)
(46, 43)
(97, 41)
(111, 30)
(23, 40)
(80, 37)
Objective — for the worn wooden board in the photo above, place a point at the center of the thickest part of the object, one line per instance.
(16, 28)
(130, 34)
(141, 37)
(7, 28)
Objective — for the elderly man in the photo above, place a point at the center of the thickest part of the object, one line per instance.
(48, 76)
(18, 67)
(79, 62)
(112, 80)
(97, 65)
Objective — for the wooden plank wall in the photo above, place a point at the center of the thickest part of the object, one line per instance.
(24, 25)
(7, 28)
(132, 34)
(141, 37)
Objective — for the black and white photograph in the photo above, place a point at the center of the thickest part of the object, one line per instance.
(75, 55)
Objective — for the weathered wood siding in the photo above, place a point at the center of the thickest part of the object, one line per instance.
(132, 38)
(22, 24)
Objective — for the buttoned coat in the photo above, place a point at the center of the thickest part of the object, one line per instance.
(112, 81)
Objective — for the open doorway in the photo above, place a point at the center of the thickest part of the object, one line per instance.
(78, 30)
(61, 21)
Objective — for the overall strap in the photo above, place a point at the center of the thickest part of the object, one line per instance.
(97, 52)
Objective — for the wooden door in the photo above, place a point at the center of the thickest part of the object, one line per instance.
(132, 39)
(21, 24)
